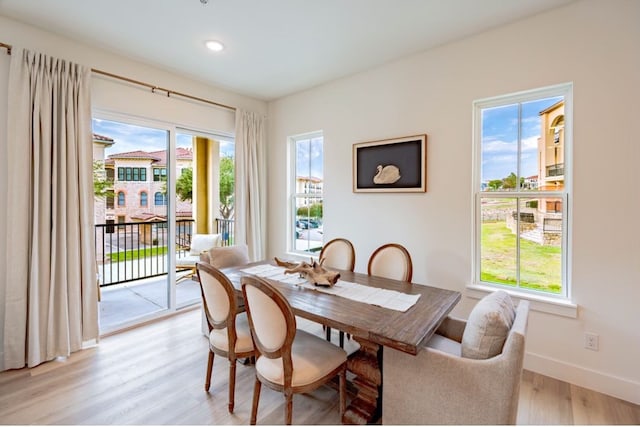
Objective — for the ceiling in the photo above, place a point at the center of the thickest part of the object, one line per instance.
(273, 47)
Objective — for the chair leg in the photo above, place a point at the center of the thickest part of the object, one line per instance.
(328, 331)
(341, 338)
(232, 384)
(288, 395)
(207, 380)
(343, 392)
(256, 399)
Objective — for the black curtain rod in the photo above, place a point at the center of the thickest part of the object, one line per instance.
(153, 88)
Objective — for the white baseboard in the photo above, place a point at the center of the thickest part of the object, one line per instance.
(611, 385)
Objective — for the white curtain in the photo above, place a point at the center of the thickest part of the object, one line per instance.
(250, 192)
(51, 301)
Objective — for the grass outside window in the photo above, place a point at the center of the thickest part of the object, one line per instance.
(540, 265)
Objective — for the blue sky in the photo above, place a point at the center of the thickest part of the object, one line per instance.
(500, 139)
(131, 138)
(310, 157)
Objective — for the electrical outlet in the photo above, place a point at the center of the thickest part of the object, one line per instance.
(591, 341)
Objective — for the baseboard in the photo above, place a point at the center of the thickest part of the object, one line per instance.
(601, 382)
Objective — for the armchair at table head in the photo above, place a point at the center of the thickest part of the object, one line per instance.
(392, 261)
(226, 256)
(468, 373)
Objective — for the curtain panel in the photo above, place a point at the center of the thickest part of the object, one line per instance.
(251, 181)
(51, 300)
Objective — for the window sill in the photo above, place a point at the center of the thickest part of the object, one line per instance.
(558, 306)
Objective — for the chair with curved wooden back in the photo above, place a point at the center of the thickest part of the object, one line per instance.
(392, 261)
(229, 333)
(338, 253)
(287, 360)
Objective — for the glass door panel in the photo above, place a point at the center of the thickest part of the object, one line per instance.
(204, 204)
(131, 233)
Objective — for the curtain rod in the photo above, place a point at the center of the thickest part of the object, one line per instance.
(153, 88)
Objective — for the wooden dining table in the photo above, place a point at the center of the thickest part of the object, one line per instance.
(372, 326)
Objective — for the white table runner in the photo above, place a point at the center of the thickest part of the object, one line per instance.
(385, 298)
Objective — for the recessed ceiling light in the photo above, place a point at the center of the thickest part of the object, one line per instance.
(214, 45)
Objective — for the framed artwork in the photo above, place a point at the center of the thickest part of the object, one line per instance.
(391, 165)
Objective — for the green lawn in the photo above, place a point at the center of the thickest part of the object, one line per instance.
(138, 253)
(540, 265)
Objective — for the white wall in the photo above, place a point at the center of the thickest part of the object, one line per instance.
(592, 43)
(113, 96)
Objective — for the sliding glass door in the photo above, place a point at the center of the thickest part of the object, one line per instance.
(163, 195)
(204, 204)
(131, 220)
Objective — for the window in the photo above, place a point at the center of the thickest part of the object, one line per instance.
(521, 187)
(159, 199)
(143, 198)
(132, 174)
(159, 174)
(120, 198)
(306, 193)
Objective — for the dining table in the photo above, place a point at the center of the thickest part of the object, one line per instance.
(377, 312)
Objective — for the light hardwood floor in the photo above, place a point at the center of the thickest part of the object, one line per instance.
(154, 375)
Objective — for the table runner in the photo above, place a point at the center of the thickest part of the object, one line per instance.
(385, 298)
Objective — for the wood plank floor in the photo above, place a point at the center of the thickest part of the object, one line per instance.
(154, 375)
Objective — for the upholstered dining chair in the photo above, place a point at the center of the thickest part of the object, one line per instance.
(227, 256)
(391, 261)
(338, 253)
(468, 373)
(229, 333)
(287, 359)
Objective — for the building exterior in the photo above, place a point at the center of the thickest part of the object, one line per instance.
(551, 155)
(100, 143)
(139, 189)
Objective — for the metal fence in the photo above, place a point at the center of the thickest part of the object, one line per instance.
(132, 251)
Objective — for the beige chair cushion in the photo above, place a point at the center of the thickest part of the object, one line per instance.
(229, 256)
(312, 358)
(216, 297)
(488, 325)
(444, 344)
(203, 242)
(187, 260)
(338, 255)
(269, 324)
(218, 337)
(390, 263)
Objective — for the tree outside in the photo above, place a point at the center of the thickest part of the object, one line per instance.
(227, 186)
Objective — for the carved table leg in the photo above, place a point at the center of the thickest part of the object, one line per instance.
(366, 364)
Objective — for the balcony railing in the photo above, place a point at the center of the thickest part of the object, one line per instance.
(226, 229)
(555, 170)
(137, 250)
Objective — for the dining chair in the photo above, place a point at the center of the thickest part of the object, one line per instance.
(338, 253)
(229, 333)
(391, 261)
(287, 359)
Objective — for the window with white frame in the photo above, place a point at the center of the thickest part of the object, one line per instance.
(522, 155)
(306, 186)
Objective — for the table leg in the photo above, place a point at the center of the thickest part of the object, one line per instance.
(366, 364)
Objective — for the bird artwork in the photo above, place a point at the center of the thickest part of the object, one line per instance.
(386, 174)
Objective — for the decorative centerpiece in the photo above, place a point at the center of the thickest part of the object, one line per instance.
(314, 273)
